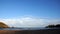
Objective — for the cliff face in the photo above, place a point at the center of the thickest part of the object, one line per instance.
(2, 25)
(53, 26)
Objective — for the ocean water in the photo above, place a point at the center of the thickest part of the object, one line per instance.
(39, 28)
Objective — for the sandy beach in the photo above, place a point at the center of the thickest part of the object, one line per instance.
(54, 31)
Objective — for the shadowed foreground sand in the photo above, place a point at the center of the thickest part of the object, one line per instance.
(55, 31)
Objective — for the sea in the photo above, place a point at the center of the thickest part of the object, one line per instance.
(23, 28)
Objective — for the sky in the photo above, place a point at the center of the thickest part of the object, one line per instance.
(30, 12)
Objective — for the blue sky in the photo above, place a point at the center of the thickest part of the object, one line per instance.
(27, 10)
(40, 8)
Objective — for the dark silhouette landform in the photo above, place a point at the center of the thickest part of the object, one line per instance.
(53, 26)
(3, 25)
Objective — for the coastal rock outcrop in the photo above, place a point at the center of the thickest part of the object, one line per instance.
(53, 26)
(3, 25)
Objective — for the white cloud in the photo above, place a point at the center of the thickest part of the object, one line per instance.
(29, 22)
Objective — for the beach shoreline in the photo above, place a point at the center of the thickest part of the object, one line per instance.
(51, 31)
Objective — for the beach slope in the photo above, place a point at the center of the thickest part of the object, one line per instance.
(51, 31)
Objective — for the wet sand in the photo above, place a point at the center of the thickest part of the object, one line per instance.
(53, 31)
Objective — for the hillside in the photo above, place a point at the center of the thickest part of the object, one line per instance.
(53, 26)
(3, 25)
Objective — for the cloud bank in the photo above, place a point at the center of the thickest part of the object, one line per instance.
(29, 22)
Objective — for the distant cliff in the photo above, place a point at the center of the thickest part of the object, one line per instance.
(3, 25)
(53, 26)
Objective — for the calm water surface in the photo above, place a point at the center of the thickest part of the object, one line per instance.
(40, 28)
